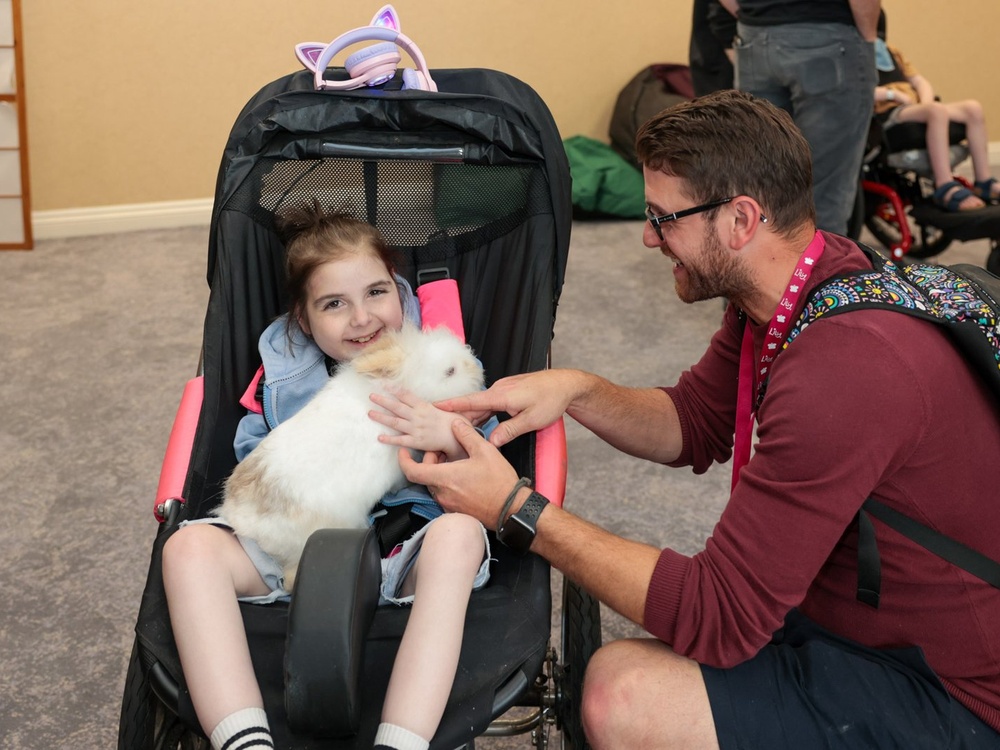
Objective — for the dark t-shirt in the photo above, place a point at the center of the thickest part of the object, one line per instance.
(779, 12)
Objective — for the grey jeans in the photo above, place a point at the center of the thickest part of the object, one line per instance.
(824, 76)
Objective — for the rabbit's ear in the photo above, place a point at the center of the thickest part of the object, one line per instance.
(383, 361)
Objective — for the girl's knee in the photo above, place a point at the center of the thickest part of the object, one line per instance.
(973, 111)
(458, 533)
(937, 112)
(194, 545)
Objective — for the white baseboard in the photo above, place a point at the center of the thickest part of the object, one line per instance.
(81, 222)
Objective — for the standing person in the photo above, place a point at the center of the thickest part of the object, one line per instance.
(816, 60)
(344, 296)
(759, 640)
(709, 58)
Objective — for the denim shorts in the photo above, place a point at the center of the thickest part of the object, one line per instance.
(400, 561)
(811, 689)
(394, 567)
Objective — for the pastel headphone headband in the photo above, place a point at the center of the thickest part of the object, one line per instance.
(365, 34)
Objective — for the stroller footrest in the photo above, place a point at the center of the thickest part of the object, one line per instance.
(336, 593)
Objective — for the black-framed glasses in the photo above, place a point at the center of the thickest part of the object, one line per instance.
(656, 221)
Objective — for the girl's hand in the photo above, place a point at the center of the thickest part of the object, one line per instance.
(904, 98)
(421, 425)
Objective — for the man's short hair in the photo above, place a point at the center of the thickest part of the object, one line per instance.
(730, 143)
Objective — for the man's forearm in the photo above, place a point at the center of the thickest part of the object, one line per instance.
(865, 14)
(642, 422)
(617, 571)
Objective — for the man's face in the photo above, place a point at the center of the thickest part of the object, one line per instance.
(703, 267)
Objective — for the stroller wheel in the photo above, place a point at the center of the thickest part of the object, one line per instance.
(145, 722)
(136, 726)
(581, 637)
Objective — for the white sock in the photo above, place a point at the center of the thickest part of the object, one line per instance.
(390, 735)
(241, 730)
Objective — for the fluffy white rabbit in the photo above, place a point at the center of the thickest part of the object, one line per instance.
(324, 467)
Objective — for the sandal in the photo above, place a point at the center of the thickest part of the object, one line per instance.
(951, 195)
(985, 189)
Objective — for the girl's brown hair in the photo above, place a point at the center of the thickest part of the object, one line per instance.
(313, 236)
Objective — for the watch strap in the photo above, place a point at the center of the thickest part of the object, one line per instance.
(532, 508)
(518, 531)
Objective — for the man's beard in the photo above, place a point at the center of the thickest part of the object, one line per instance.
(716, 274)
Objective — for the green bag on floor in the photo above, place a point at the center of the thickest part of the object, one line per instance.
(604, 184)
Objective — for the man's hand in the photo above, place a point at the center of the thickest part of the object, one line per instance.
(476, 485)
(533, 401)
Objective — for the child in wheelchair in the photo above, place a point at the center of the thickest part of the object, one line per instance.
(344, 294)
(903, 95)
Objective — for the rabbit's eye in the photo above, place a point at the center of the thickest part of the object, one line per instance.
(449, 372)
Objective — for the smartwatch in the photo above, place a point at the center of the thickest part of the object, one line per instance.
(518, 531)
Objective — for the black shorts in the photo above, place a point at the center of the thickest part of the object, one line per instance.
(811, 689)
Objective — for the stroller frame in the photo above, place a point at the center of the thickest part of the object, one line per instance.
(469, 183)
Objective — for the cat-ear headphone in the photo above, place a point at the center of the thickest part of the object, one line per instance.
(370, 66)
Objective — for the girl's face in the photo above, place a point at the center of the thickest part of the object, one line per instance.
(350, 303)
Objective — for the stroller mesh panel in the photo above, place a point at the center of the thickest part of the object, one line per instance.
(433, 211)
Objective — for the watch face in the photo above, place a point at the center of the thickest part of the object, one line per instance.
(516, 534)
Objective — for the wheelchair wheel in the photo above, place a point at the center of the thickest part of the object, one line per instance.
(882, 222)
(581, 637)
(145, 723)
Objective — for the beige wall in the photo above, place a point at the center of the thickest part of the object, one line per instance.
(132, 102)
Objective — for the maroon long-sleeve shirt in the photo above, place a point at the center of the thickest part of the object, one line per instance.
(868, 403)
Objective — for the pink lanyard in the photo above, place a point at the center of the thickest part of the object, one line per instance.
(746, 401)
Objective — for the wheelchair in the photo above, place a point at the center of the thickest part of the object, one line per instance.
(895, 202)
(467, 182)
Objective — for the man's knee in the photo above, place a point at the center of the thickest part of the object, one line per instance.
(624, 680)
(639, 693)
(609, 690)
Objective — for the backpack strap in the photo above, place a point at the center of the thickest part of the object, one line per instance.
(943, 546)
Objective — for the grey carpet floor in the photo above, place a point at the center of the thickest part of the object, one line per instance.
(98, 336)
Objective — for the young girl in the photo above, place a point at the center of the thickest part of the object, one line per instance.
(344, 296)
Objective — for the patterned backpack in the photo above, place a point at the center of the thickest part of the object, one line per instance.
(964, 299)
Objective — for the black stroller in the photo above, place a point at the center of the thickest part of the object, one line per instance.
(469, 182)
(896, 185)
